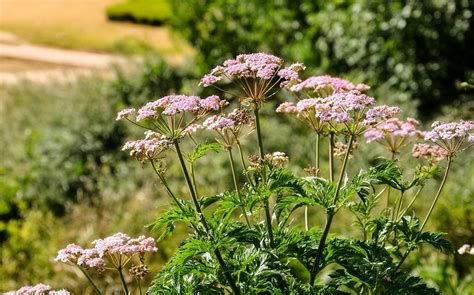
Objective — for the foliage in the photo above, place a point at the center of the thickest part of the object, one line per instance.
(409, 50)
(154, 12)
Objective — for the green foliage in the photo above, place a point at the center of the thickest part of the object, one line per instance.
(412, 50)
(152, 12)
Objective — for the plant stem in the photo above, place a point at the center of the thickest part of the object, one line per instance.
(90, 281)
(226, 273)
(410, 204)
(139, 286)
(124, 285)
(306, 224)
(266, 204)
(331, 159)
(437, 194)
(331, 212)
(231, 160)
(430, 211)
(389, 190)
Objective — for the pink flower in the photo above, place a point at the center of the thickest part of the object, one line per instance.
(125, 113)
(393, 128)
(71, 253)
(431, 153)
(318, 83)
(120, 243)
(451, 136)
(38, 289)
(149, 148)
(218, 123)
(466, 248)
(286, 107)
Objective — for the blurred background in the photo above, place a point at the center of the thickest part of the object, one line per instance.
(67, 67)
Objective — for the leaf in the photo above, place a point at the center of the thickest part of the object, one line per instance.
(202, 149)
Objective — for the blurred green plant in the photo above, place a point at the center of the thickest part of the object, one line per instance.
(153, 12)
(410, 50)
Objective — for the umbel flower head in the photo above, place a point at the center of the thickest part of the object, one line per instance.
(451, 136)
(229, 127)
(348, 112)
(173, 115)
(38, 289)
(322, 86)
(115, 245)
(393, 133)
(255, 74)
(431, 153)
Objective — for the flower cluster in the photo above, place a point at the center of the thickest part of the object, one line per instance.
(451, 136)
(278, 159)
(342, 107)
(431, 153)
(38, 289)
(119, 243)
(149, 148)
(393, 132)
(229, 126)
(255, 74)
(466, 249)
(327, 85)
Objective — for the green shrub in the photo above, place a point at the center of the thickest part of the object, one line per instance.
(153, 12)
(410, 50)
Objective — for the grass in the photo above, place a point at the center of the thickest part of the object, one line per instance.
(154, 12)
(81, 24)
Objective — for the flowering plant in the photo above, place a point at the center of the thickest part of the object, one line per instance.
(248, 239)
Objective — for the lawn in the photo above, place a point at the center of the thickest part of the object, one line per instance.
(82, 24)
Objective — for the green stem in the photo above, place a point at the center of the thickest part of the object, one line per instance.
(331, 157)
(410, 204)
(389, 191)
(226, 273)
(430, 210)
(437, 194)
(139, 286)
(331, 213)
(259, 133)
(124, 285)
(397, 205)
(306, 223)
(90, 281)
(231, 160)
(266, 204)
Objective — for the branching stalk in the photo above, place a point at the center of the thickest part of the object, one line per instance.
(217, 253)
(330, 214)
(122, 279)
(90, 280)
(244, 212)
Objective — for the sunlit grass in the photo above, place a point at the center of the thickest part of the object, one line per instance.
(81, 24)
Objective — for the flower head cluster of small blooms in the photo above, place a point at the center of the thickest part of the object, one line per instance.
(125, 113)
(121, 243)
(334, 84)
(255, 65)
(449, 131)
(380, 113)
(174, 104)
(393, 127)
(451, 136)
(148, 148)
(466, 248)
(278, 159)
(431, 153)
(139, 271)
(340, 149)
(116, 244)
(218, 122)
(37, 289)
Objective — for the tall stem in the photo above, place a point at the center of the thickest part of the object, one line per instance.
(266, 204)
(429, 212)
(90, 281)
(217, 253)
(389, 190)
(316, 160)
(331, 212)
(231, 160)
(124, 285)
(410, 204)
(437, 194)
(331, 157)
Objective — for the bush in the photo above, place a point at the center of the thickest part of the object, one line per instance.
(410, 50)
(153, 12)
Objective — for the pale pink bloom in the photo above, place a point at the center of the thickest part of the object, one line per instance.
(431, 153)
(71, 253)
(335, 84)
(286, 107)
(393, 128)
(149, 148)
(125, 113)
(466, 248)
(448, 131)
